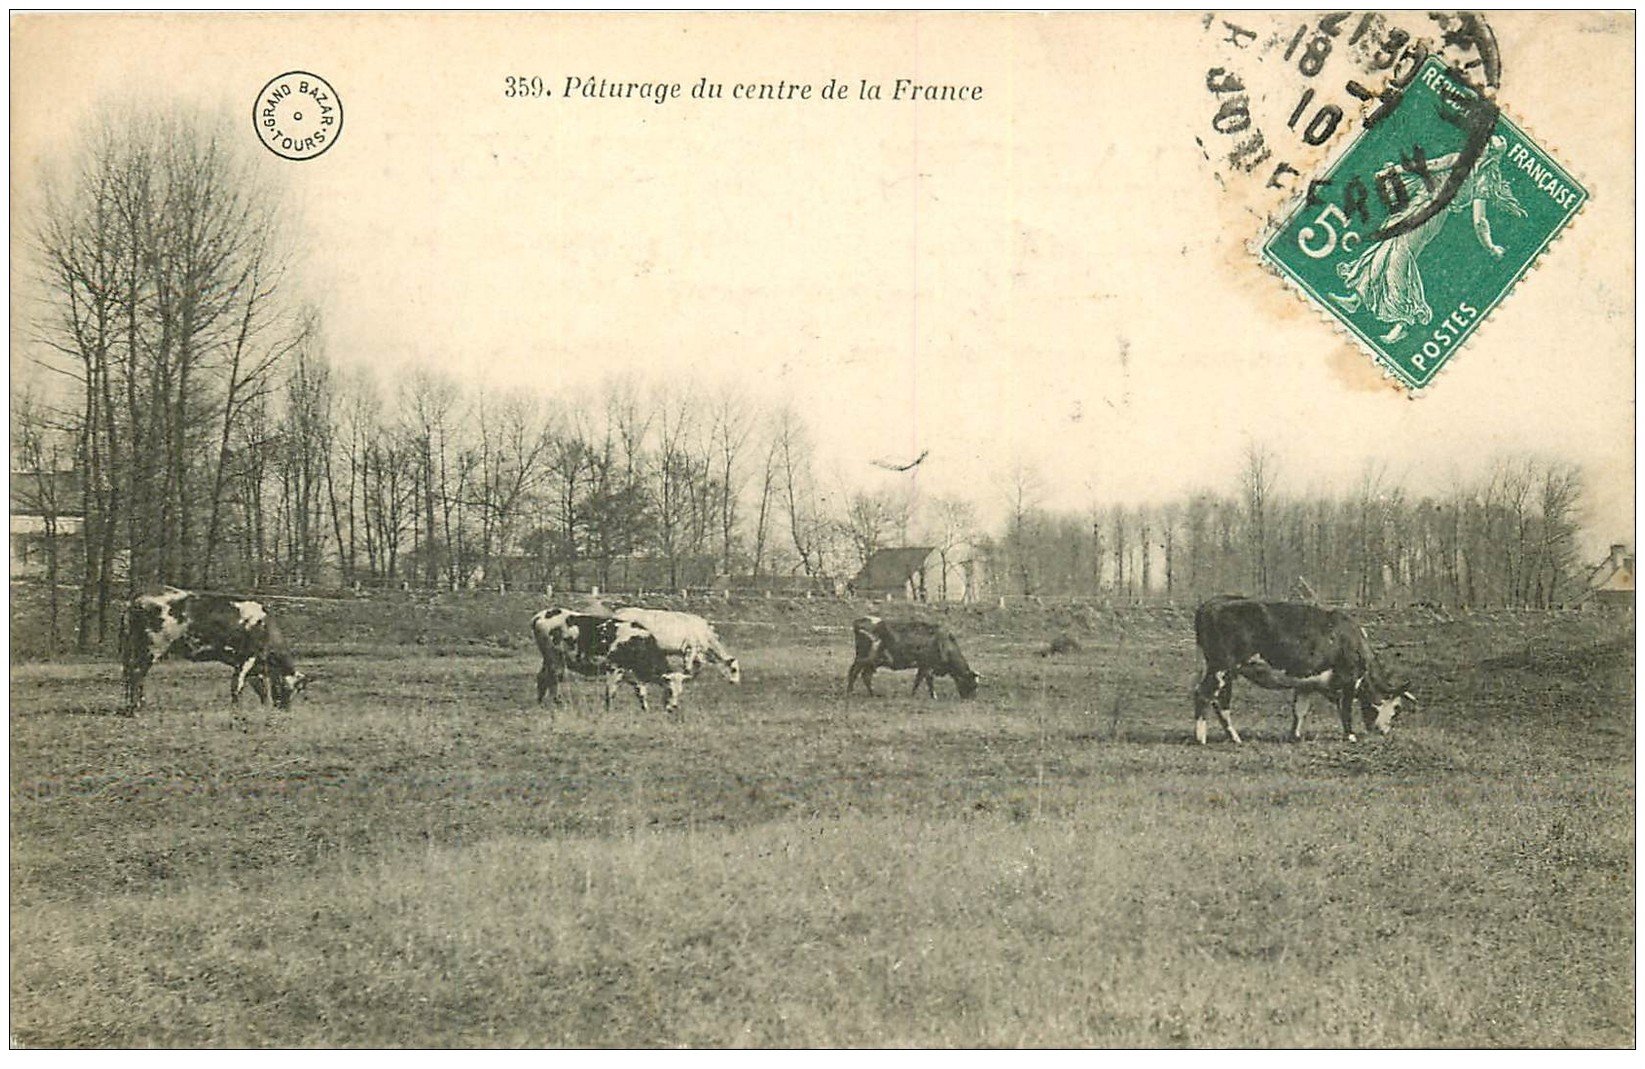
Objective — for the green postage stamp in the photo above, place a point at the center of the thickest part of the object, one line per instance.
(1424, 223)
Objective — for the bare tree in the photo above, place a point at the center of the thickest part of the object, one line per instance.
(427, 400)
(871, 516)
(952, 523)
(672, 492)
(1259, 485)
(1121, 522)
(806, 520)
(306, 442)
(516, 440)
(769, 483)
(732, 426)
(1170, 517)
(1556, 563)
(1022, 486)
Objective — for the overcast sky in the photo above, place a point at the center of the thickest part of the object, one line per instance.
(1049, 273)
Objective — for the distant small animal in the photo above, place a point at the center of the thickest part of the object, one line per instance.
(1063, 643)
(602, 646)
(685, 635)
(930, 649)
(238, 632)
(1285, 645)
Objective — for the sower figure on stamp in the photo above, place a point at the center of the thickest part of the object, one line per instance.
(1385, 278)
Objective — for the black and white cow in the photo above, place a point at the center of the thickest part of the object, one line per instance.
(687, 636)
(930, 649)
(596, 646)
(234, 631)
(1287, 645)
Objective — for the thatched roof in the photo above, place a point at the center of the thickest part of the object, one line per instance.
(890, 569)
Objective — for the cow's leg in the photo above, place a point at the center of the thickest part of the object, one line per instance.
(1225, 706)
(1345, 710)
(611, 678)
(919, 677)
(1205, 695)
(271, 702)
(868, 680)
(1299, 705)
(851, 676)
(241, 674)
(931, 684)
(134, 671)
(1216, 689)
(546, 682)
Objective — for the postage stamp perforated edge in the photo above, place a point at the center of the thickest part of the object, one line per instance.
(1279, 219)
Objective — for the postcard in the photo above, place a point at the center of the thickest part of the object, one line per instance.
(483, 486)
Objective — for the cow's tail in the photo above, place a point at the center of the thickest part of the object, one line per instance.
(1201, 623)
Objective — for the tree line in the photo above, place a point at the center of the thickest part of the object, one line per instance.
(1507, 538)
(216, 444)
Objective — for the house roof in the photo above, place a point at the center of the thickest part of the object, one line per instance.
(889, 569)
(1613, 577)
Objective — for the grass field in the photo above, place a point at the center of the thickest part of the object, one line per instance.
(417, 855)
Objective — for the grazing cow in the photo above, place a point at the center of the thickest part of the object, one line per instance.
(595, 646)
(234, 631)
(929, 649)
(686, 635)
(1285, 645)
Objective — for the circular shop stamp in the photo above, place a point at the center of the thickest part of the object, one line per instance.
(297, 115)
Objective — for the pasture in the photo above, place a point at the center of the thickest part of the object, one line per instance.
(417, 855)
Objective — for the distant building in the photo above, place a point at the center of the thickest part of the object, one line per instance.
(44, 503)
(1611, 583)
(917, 573)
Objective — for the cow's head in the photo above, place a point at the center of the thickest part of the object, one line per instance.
(1380, 702)
(733, 671)
(287, 681)
(967, 682)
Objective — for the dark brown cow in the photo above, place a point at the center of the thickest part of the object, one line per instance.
(234, 631)
(930, 649)
(1286, 645)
